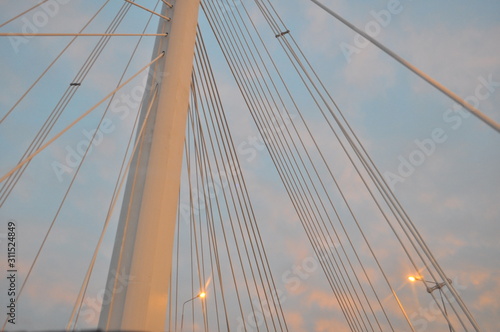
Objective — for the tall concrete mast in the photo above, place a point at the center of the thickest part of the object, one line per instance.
(137, 288)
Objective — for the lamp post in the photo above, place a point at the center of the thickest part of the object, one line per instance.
(437, 285)
(201, 296)
(430, 289)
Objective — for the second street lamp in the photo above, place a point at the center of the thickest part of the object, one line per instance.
(436, 285)
(201, 295)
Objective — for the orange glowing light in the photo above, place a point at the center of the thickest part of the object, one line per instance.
(412, 278)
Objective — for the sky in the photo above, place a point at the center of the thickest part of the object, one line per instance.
(452, 194)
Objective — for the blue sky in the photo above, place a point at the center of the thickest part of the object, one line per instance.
(452, 196)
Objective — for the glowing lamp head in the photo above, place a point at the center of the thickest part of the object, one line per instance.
(202, 295)
(412, 279)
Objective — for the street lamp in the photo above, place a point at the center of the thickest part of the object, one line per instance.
(435, 286)
(201, 295)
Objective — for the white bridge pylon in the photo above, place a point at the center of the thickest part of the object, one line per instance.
(144, 241)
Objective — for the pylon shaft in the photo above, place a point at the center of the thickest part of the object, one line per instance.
(138, 282)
